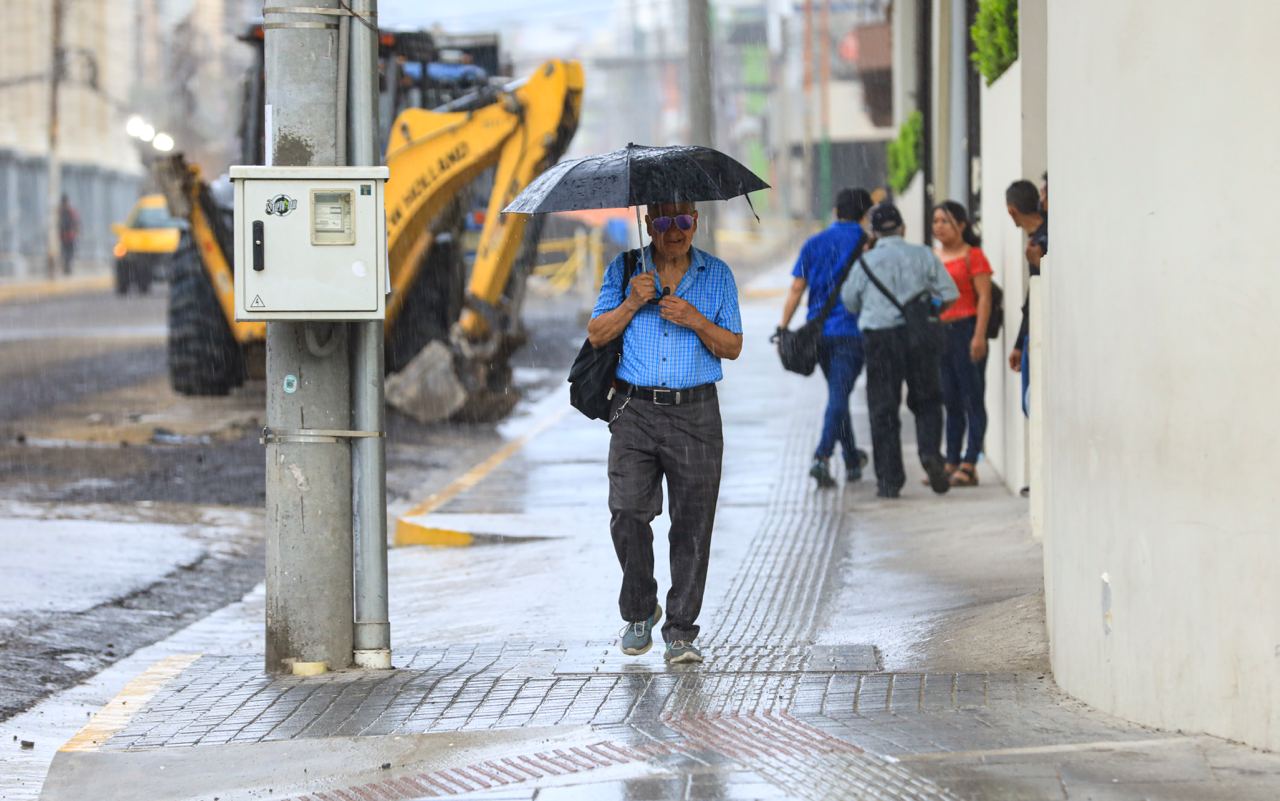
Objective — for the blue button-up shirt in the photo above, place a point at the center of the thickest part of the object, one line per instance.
(659, 353)
(820, 262)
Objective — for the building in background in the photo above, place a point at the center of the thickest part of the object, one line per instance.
(175, 63)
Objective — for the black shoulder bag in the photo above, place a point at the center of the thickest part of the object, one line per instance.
(923, 328)
(798, 349)
(591, 376)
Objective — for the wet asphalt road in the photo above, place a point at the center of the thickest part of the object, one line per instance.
(64, 362)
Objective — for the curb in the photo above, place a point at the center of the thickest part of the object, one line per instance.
(39, 290)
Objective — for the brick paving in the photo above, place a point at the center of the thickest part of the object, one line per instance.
(769, 715)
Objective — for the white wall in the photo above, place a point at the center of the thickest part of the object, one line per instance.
(1002, 164)
(1161, 410)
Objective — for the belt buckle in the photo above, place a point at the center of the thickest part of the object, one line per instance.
(667, 392)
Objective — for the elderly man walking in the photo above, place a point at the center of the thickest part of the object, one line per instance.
(677, 322)
(889, 278)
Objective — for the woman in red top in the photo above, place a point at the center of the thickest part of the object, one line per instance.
(964, 362)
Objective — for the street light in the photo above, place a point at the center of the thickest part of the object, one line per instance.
(162, 142)
(134, 126)
(148, 132)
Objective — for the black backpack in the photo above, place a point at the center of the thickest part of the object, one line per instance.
(592, 374)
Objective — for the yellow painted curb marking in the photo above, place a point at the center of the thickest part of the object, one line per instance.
(34, 290)
(116, 715)
(411, 533)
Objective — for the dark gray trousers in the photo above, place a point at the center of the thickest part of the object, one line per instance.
(685, 444)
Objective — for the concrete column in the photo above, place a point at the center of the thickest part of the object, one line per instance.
(702, 100)
(309, 550)
(957, 88)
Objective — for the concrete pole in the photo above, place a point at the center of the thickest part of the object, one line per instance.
(309, 604)
(53, 200)
(808, 205)
(825, 199)
(702, 101)
(369, 465)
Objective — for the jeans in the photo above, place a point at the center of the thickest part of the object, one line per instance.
(964, 387)
(841, 362)
(685, 445)
(890, 362)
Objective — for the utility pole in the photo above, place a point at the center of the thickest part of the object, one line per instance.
(369, 457)
(309, 602)
(824, 107)
(808, 205)
(54, 198)
(701, 97)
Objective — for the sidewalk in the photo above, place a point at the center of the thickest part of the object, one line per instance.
(857, 648)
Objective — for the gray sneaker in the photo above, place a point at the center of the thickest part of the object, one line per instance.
(681, 652)
(637, 638)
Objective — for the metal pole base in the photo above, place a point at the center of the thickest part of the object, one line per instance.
(375, 659)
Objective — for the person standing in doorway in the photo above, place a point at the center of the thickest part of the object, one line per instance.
(1023, 201)
(903, 272)
(676, 322)
(964, 360)
(840, 356)
(68, 232)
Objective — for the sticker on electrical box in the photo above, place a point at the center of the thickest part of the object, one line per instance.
(281, 205)
(257, 303)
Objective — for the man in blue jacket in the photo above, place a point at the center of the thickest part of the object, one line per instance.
(840, 349)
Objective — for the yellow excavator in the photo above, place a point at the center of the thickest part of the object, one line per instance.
(436, 158)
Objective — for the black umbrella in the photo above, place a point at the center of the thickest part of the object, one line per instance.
(637, 175)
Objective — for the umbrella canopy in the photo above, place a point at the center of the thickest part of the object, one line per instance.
(637, 175)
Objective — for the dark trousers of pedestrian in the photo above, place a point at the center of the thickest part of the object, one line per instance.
(891, 362)
(841, 361)
(68, 255)
(964, 390)
(683, 444)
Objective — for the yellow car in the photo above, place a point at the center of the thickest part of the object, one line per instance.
(145, 242)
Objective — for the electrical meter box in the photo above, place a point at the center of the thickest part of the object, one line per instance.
(310, 243)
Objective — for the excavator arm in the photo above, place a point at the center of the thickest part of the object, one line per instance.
(433, 155)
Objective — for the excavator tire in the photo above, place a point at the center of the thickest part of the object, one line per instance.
(204, 358)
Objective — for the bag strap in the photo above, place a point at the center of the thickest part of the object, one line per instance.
(844, 276)
(629, 260)
(883, 289)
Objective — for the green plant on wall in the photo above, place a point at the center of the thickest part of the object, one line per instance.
(995, 37)
(905, 152)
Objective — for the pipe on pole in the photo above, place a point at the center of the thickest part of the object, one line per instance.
(53, 231)
(369, 457)
(309, 615)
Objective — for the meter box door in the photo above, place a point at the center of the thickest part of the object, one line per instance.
(310, 243)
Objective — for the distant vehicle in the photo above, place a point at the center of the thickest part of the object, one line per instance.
(145, 241)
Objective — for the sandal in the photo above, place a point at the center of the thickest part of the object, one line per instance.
(948, 468)
(966, 475)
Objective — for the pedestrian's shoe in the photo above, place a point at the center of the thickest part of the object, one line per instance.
(637, 638)
(936, 469)
(853, 472)
(887, 492)
(821, 474)
(680, 652)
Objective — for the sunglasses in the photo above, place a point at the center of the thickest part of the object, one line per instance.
(682, 221)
